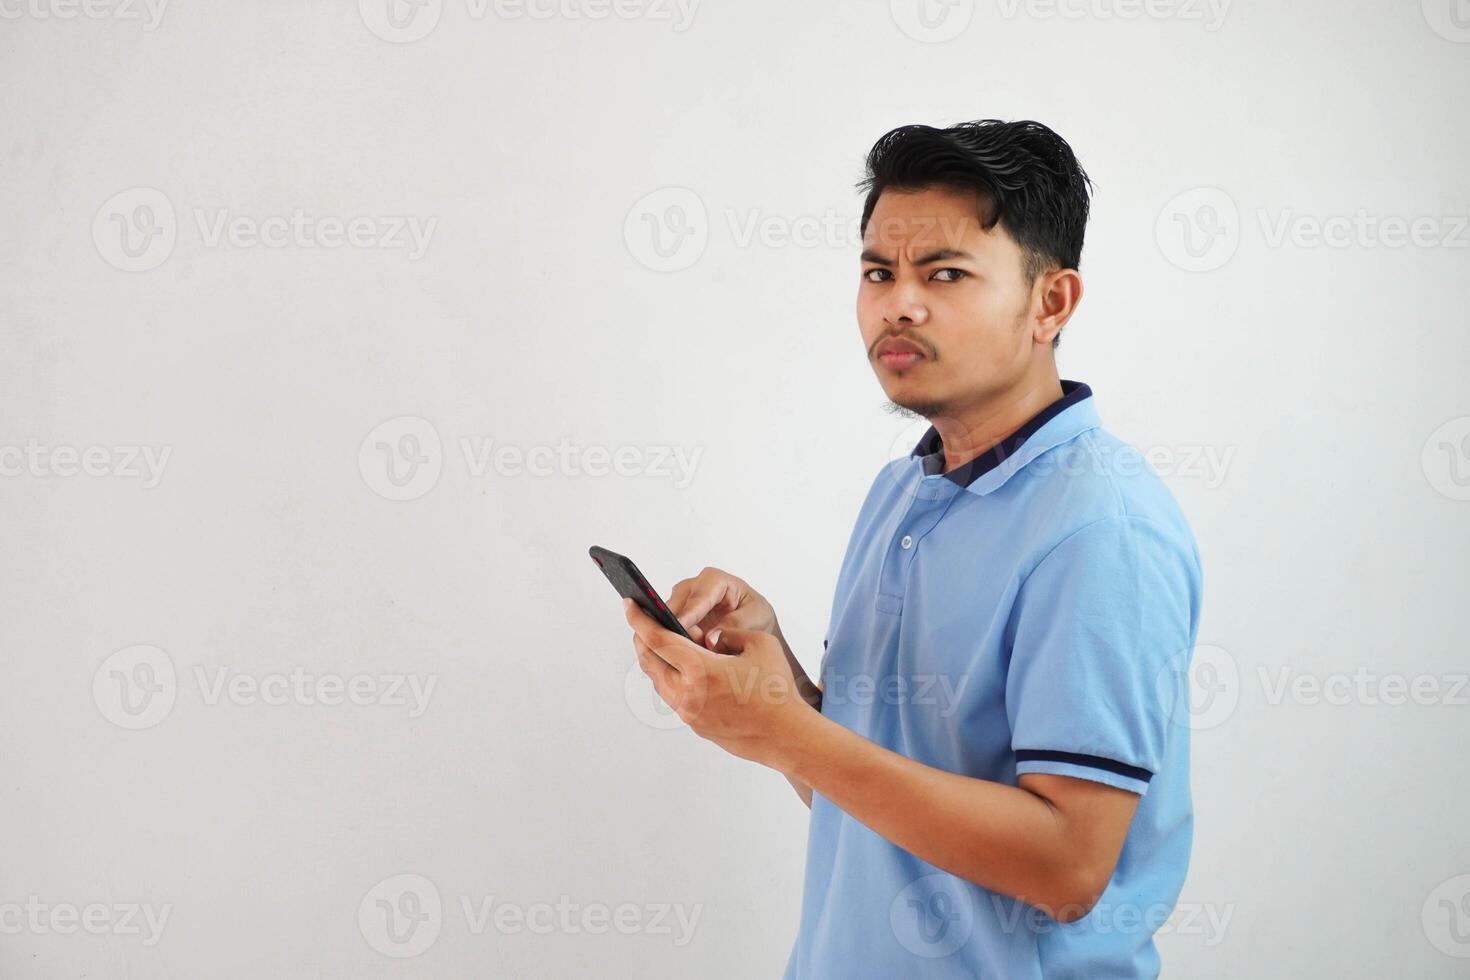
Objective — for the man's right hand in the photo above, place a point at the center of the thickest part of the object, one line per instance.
(715, 599)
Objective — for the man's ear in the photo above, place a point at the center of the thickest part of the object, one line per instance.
(1058, 293)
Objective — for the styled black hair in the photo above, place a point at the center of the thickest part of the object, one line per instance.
(1027, 177)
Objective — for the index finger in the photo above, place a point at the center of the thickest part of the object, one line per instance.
(693, 598)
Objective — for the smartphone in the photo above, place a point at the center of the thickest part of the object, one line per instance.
(631, 584)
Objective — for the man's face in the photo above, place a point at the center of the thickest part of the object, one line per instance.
(943, 307)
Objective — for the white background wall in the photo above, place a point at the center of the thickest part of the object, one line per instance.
(1293, 393)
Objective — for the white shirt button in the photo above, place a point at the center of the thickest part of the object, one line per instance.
(907, 542)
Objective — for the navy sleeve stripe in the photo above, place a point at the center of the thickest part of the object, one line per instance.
(1078, 759)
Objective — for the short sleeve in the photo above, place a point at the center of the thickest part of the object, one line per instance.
(1095, 631)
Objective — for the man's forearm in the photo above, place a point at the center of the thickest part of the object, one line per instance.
(1001, 837)
(810, 693)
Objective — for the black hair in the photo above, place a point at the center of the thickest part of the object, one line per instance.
(1027, 177)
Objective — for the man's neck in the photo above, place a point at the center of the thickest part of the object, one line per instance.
(983, 426)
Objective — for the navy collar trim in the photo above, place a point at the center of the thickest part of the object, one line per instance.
(967, 473)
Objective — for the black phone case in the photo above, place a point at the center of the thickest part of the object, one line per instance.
(631, 584)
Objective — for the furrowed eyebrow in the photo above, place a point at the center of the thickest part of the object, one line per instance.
(939, 256)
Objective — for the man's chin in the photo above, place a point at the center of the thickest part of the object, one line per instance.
(913, 408)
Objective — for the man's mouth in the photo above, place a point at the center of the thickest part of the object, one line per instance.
(900, 359)
(899, 353)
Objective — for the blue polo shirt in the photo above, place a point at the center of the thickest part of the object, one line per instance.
(1032, 611)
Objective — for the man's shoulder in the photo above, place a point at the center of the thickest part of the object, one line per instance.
(1098, 477)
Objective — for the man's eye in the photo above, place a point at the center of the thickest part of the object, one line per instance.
(871, 272)
(958, 274)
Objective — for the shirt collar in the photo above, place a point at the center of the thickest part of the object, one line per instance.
(1059, 422)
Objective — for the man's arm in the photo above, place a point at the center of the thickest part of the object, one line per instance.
(811, 693)
(1052, 842)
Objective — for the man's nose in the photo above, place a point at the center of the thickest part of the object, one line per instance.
(906, 305)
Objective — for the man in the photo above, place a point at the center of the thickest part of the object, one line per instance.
(996, 755)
